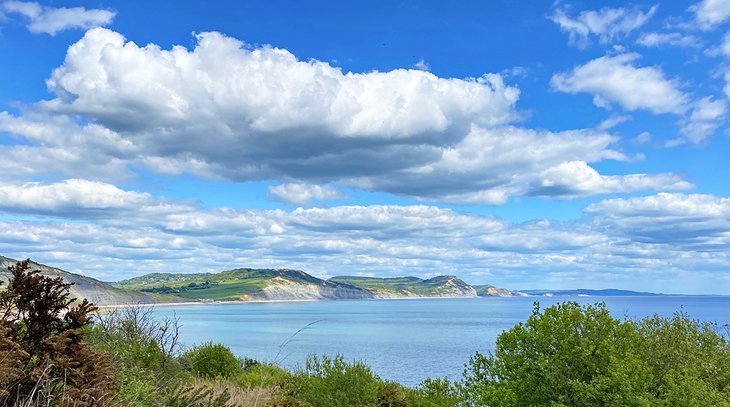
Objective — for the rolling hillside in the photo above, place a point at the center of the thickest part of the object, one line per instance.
(244, 284)
(440, 286)
(284, 284)
(94, 290)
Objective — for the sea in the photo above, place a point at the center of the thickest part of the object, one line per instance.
(401, 340)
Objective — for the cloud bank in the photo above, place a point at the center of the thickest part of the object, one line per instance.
(621, 242)
(228, 110)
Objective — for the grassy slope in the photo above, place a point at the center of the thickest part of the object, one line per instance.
(233, 284)
(224, 286)
(92, 289)
(401, 285)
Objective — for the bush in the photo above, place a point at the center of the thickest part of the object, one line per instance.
(435, 393)
(43, 357)
(393, 395)
(262, 375)
(570, 355)
(688, 361)
(332, 382)
(213, 360)
(142, 349)
(138, 392)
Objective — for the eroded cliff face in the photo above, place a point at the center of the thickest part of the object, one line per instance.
(282, 289)
(454, 287)
(498, 292)
(93, 290)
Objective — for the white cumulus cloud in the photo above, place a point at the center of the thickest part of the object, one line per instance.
(707, 115)
(304, 194)
(241, 113)
(711, 13)
(617, 79)
(495, 164)
(244, 93)
(52, 20)
(577, 179)
(68, 196)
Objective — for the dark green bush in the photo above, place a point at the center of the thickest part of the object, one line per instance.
(393, 395)
(213, 360)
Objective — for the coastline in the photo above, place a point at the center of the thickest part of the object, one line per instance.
(255, 301)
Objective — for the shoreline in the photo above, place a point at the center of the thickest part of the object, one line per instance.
(257, 301)
(262, 301)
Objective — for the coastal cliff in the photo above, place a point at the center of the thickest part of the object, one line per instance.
(279, 288)
(93, 290)
(410, 287)
(247, 284)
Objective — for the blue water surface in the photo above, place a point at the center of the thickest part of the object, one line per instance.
(402, 340)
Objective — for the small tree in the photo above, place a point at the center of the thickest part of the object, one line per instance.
(41, 334)
(567, 355)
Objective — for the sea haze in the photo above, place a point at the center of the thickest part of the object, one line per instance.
(402, 340)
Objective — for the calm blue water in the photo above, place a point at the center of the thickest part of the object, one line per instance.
(402, 340)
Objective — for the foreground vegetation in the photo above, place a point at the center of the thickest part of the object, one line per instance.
(51, 354)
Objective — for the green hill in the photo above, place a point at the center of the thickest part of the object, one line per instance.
(440, 286)
(285, 284)
(94, 290)
(243, 284)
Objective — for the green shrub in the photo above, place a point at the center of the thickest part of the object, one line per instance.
(141, 347)
(137, 392)
(213, 360)
(332, 382)
(435, 393)
(570, 355)
(687, 361)
(262, 375)
(393, 395)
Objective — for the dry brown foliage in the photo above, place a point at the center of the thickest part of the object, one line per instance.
(43, 360)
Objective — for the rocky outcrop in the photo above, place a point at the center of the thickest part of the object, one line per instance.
(492, 291)
(279, 288)
(452, 286)
(93, 290)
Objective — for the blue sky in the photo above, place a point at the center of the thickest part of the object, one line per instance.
(527, 145)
